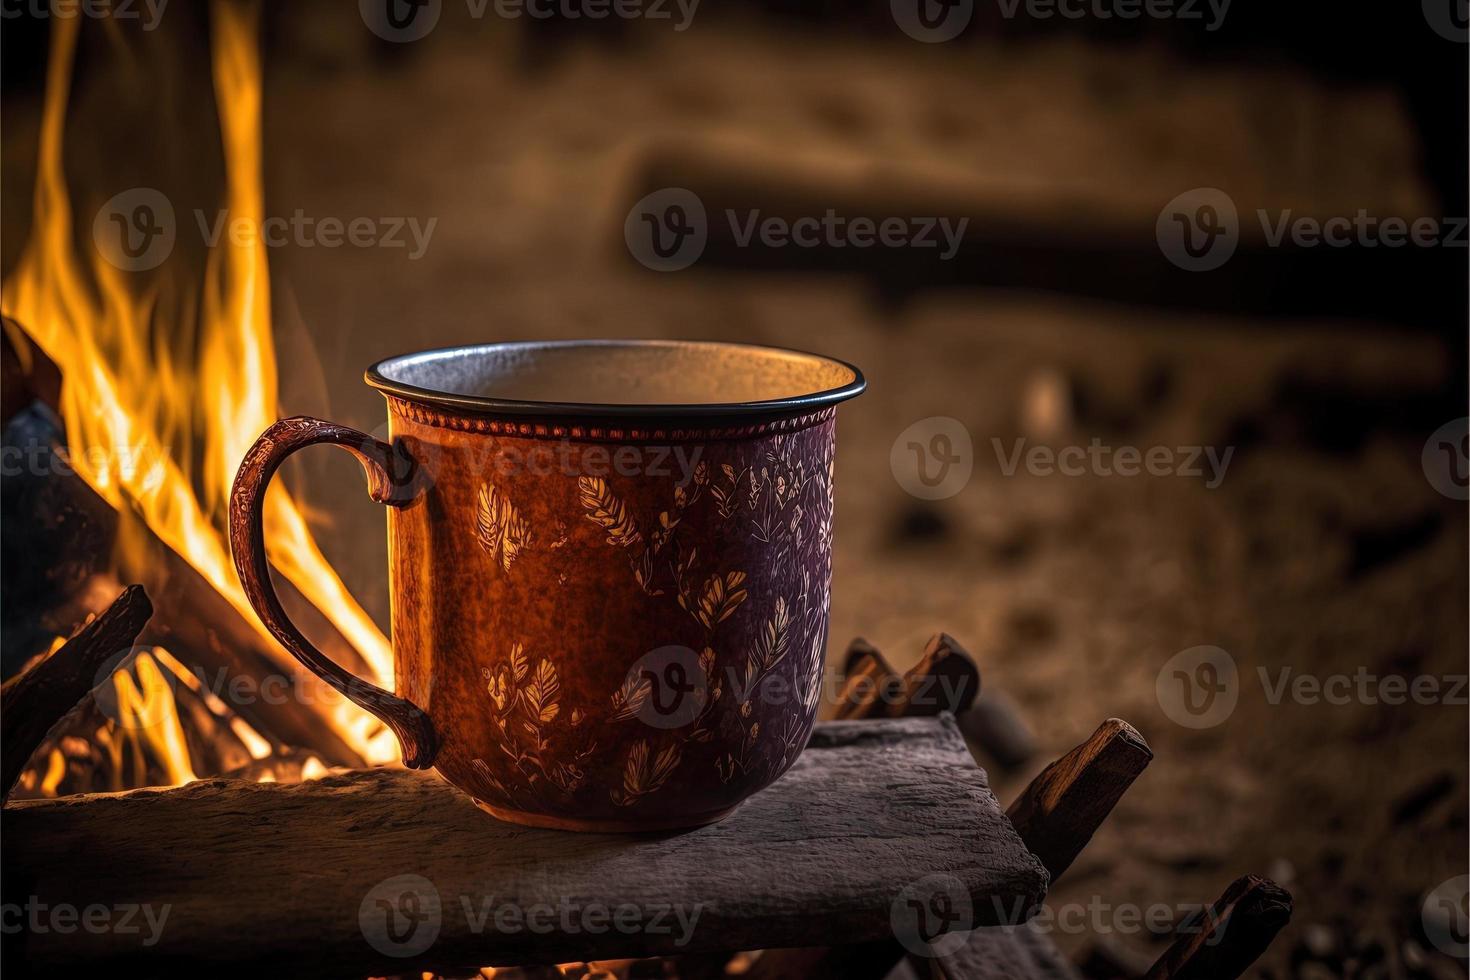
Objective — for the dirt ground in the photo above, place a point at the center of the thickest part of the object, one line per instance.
(1323, 549)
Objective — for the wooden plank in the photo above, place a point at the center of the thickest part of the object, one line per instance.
(262, 877)
(1006, 953)
(1060, 810)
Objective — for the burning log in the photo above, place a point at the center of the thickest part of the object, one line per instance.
(195, 622)
(33, 701)
(1060, 810)
(1223, 943)
(819, 857)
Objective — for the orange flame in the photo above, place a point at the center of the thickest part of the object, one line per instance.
(133, 405)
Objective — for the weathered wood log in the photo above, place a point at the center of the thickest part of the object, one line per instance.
(30, 703)
(1005, 953)
(1057, 814)
(313, 871)
(944, 679)
(870, 683)
(1223, 942)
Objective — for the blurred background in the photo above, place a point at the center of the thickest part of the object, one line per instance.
(1102, 293)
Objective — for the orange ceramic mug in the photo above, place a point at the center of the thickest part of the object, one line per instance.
(610, 564)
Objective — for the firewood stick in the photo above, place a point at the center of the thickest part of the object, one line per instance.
(871, 683)
(944, 679)
(35, 700)
(1223, 943)
(1057, 814)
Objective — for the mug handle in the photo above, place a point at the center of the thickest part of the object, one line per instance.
(390, 475)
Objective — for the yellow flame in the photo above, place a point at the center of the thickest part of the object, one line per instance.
(146, 706)
(133, 404)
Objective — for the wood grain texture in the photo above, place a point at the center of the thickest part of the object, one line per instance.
(1225, 941)
(35, 700)
(1006, 953)
(268, 876)
(870, 683)
(1060, 810)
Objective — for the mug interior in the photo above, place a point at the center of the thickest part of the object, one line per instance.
(618, 377)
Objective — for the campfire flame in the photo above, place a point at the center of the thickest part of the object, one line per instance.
(158, 416)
